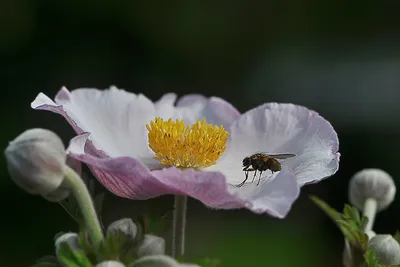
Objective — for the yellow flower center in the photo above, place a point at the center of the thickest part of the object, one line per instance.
(196, 146)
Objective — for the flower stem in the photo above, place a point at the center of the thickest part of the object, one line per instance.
(82, 196)
(179, 226)
(370, 208)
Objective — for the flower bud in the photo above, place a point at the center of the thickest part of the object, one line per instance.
(36, 159)
(160, 261)
(125, 225)
(372, 184)
(71, 239)
(387, 249)
(156, 261)
(151, 245)
(110, 264)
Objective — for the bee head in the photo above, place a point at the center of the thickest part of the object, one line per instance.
(246, 161)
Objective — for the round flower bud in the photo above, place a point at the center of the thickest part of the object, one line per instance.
(387, 249)
(110, 264)
(372, 184)
(71, 239)
(36, 159)
(151, 245)
(125, 225)
(156, 261)
(160, 261)
(59, 194)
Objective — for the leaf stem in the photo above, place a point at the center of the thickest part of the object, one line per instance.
(370, 209)
(82, 196)
(179, 226)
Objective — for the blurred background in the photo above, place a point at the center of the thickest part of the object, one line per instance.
(340, 58)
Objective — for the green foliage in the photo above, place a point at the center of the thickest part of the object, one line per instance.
(349, 222)
(371, 260)
(119, 246)
(154, 221)
(71, 258)
(352, 225)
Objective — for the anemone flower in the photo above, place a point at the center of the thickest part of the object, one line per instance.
(139, 149)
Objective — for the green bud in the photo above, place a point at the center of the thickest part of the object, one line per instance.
(387, 249)
(36, 160)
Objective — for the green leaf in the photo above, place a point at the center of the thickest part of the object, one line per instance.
(118, 246)
(332, 213)
(84, 244)
(73, 258)
(350, 223)
(371, 260)
(155, 221)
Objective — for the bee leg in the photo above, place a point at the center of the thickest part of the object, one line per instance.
(259, 178)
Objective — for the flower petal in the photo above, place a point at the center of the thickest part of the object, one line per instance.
(274, 196)
(283, 128)
(219, 112)
(115, 118)
(127, 177)
(124, 176)
(215, 110)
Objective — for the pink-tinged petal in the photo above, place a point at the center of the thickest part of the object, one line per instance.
(124, 176)
(219, 112)
(115, 118)
(214, 109)
(195, 101)
(283, 128)
(127, 177)
(274, 196)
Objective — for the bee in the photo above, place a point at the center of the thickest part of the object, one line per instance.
(261, 162)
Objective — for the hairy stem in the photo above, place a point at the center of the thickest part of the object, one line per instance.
(370, 209)
(82, 196)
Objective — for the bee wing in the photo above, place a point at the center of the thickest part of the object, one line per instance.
(282, 156)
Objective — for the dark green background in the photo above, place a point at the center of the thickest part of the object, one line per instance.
(340, 58)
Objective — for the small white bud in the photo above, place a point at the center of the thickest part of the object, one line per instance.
(110, 264)
(372, 184)
(71, 239)
(36, 159)
(151, 245)
(160, 261)
(387, 249)
(156, 261)
(125, 225)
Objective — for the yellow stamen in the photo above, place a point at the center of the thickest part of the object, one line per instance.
(196, 146)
